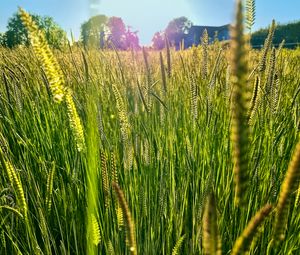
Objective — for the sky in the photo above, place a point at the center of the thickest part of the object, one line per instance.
(149, 16)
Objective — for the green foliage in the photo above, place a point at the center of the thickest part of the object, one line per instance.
(288, 32)
(177, 28)
(92, 29)
(158, 41)
(108, 32)
(16, 33)
(117, 32)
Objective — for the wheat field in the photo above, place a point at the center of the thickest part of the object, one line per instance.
(143, 152)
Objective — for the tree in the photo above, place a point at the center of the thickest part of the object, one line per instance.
(117, 33)
(132, 40)
(289, 32)
(158, 41)
(16, 33)
(55, 35)
(92, 31)
(177, 29)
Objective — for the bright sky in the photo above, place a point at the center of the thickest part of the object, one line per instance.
(149, 16)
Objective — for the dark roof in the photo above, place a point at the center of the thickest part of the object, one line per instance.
(196, 32)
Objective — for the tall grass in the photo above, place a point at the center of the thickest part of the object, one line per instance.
(127, 182)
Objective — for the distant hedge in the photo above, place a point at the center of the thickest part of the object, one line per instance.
(289, 32)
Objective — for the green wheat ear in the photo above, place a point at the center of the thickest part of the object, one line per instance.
(45, 56)
(288, 188)
(239, 107)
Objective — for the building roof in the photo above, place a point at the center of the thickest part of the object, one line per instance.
(196, 32)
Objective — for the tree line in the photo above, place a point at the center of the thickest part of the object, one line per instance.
(289, 32)
(99, 31)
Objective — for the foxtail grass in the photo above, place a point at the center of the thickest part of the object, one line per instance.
(204, 42)
(288, 188)
(266, 48)
(239, 107)
(50, 180)
(75, 121)
(250, 14)
(128, 220)
(254, 100)
(15, 181)
(105, 181)
(211, 238)
(45, 56)
(243, 243)
(176, 249)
